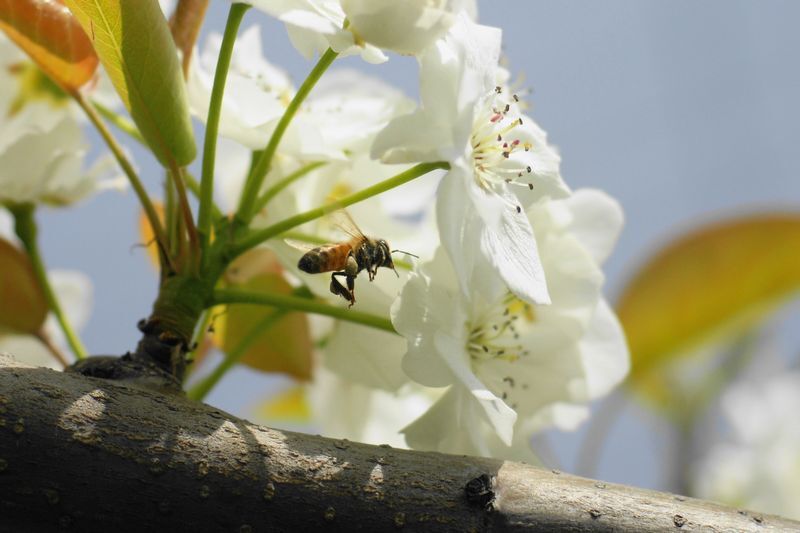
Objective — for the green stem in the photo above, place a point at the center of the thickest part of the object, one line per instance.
(297, 303)
(194, 187)
(255, 238)
(169, 216)
(253, 184)
(127, 168)
(235, 16)
(54, 350)
(26, 229)
(199, 338)
(129, 128)
(177, 173)
(273, 191)
(121, 122)
(199, 391)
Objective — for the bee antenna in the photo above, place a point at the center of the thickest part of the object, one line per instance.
(407, 253)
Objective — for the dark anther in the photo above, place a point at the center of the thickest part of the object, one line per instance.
(479, 491)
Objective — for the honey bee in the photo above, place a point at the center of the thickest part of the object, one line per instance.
(347, 258)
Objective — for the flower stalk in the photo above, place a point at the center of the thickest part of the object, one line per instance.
(27, 231)
(247, 202)
(235, 16)
(273, 191)
(201, 390)
(257, 237)
(133, 177)
(298, 303)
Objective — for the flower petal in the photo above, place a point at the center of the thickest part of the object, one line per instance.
(421, 312)
(409, 139)
(597, 221)
(497, 413)
(604, 352)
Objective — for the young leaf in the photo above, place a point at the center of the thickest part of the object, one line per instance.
(284, 347)
(708, 285)
(50, 35)
(185, 24)
(290, 405)
(137, 50)
(24, 307)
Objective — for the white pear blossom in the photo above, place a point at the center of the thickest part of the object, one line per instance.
(345, 107)
(42, 145)
(256, 92)
(41, 158)
(758, 467)
(515, 367)
(316, 25)
(341, 117)
(500, 161)
(365, 26)
(348, 410)
(403, 27)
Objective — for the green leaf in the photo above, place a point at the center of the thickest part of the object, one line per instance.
(50, 35)
(709, 285)
(24, 307)
(285, 347)
(135, 46)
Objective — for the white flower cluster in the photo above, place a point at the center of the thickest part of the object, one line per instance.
(504, 329)
(36, 120)
(758, 467)
(503, 326)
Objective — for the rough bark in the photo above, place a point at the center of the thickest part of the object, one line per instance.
(85, 454)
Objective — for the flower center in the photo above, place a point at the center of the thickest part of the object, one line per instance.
(494, 336)
(494, 144)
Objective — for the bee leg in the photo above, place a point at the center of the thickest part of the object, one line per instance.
(351, 286)
(337, 288)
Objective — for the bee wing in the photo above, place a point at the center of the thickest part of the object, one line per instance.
(300, 245)
(342, 220)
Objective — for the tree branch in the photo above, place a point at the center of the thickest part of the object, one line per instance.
(87, 454)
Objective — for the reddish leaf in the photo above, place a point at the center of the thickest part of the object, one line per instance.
(284, 347)
(48, 32)
(705, 286)
(23, 307)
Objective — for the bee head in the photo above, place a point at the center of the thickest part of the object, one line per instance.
(385, 255)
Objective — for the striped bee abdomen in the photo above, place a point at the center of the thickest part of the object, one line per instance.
(324, 258)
